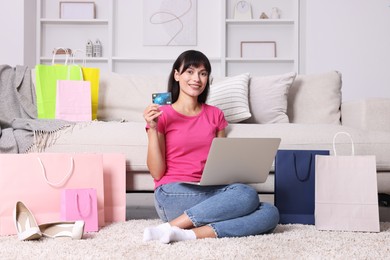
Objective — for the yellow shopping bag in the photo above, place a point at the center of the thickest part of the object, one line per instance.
(92, 75)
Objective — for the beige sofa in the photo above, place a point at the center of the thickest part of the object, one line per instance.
(304, 110)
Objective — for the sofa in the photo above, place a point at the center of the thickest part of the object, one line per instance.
(305, 111)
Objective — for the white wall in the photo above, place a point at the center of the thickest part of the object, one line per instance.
(11, 24)
(17, 26)
(353, 37)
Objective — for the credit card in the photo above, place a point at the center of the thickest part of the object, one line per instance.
(164, 98)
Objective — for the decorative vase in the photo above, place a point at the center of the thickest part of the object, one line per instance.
(275, 13)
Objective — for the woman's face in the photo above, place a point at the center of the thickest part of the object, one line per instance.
(192, 81)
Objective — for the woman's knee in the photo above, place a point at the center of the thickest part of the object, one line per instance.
(247, 194)
(245, 190)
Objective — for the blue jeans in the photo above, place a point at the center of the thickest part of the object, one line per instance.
(231, 210)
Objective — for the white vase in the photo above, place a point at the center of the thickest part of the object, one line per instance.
(275, 13)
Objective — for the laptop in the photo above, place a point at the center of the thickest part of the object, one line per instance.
(239, 160)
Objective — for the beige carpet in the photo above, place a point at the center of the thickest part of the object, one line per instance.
(124, 241)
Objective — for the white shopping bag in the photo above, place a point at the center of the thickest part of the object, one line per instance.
(346, 192)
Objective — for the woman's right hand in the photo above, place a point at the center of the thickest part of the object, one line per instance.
(151, 114)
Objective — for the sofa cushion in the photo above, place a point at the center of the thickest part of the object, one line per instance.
(130, 139)
(320, 137)
(268, 98)
(231, 96)
(124, 97)
(315, 98)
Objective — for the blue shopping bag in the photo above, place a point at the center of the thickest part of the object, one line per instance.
(294, 185)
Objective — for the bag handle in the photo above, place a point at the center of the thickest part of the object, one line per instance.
(84, 59)
(73, 56)
(78, 205)
(66, 50)
(350, 137)
(81, 72)
(308, 169)
(61, 182)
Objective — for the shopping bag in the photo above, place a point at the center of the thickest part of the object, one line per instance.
(294, 185)
(37, 180)
(346, 193)
(91, 75)
(73, 99)
(114, 167)
(46, 77)
(80, 204)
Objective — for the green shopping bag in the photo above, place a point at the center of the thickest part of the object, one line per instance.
(46, 77)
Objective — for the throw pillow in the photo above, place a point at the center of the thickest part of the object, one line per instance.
(231, 96)
(268, 98)
(315, 99)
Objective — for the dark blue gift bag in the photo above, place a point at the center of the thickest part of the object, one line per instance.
(294, 185)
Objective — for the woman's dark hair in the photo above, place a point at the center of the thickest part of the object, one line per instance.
(183, 62)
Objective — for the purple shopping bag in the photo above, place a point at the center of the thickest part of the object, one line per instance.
(80, 204)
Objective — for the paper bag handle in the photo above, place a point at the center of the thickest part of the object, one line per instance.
(78, 206)
(73, 57)
(308, 171)
(66, 55)
(81, 72)
(334, 142)
(61, 182)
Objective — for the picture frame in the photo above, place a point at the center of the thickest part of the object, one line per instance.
(258, 49)
(77, 10)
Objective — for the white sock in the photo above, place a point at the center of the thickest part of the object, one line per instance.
(177, 234)
(155, 233)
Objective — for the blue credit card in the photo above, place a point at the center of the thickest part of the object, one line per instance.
(164, 98)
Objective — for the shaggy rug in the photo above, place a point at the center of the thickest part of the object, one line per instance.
(124, 241)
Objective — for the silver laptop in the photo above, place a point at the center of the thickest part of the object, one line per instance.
(239, 160)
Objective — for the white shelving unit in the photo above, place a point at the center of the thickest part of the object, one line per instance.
(118, 26)
(284, 32)
(53, 32)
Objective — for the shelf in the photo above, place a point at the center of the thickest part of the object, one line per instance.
(260, 21)
(73, 21)
(92, 59)
(252, 60)
(112, 28)
(132, 59)
(128, 59)
(284, 32)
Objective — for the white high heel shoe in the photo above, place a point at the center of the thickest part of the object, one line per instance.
(73, 229)
(25, 223)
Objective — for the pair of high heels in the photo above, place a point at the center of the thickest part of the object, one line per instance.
(28, 229)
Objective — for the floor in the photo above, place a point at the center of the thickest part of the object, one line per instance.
(141, 206)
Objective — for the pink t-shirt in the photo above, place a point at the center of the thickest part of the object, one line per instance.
(187, 142)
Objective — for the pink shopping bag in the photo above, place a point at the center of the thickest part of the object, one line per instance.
(80, 204)
(114, 167)
(73, 100)
(37, 179)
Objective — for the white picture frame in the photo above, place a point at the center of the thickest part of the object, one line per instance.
(258, 49)
(77, 10)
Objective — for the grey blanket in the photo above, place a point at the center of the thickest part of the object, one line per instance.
(19, 125)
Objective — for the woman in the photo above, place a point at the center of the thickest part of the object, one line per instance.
(179, 138)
